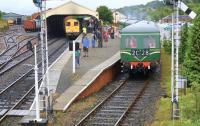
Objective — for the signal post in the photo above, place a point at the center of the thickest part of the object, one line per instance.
(175, 80)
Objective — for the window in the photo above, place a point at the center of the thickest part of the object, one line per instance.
(75, 23)
(149, 42)
(67, 23)
(130, 42)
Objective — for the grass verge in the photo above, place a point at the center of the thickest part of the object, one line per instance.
(189, 104)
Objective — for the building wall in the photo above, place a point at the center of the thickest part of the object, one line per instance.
(117, 16)
(13, 16)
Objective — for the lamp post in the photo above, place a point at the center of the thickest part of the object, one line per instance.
(116, 18)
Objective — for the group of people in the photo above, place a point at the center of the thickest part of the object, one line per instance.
(97, 37)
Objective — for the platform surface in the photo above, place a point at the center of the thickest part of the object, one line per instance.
(70, 85)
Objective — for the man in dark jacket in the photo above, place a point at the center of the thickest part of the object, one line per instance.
(29, 46)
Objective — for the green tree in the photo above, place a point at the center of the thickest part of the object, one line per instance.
(191, 67)
(183, 44)
(167, 44)
(1, 14)
(105, 14)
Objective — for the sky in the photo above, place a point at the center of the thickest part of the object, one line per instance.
(27, 7)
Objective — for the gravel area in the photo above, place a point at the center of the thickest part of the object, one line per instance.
(2, 46)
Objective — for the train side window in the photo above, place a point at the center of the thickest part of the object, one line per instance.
(149, 43)
(75, 23)
(131, 42)
(68, 24)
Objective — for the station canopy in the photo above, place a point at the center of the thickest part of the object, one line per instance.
(71, 8)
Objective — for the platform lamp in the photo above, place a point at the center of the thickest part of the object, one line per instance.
(176, 4)
(116, 17)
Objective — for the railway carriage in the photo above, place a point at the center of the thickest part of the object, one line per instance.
(72, 27)
(140, 47)
(10, 22)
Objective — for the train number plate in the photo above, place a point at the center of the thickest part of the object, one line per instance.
(139, 52)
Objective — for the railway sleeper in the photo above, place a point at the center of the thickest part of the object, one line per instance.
(106, 123)
(113, 107)
(100, 124)
(126, 95)
(122, 98)
(103, 119)
(111, 115)
(111, 111)
(121, 103)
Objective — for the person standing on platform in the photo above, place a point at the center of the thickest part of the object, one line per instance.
(106, 38)
(99, 36)
(77, 57)
(84, 30)
(85, 43)
(112, 33)
(93, 40)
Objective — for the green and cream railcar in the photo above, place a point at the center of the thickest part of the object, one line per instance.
(140, 46)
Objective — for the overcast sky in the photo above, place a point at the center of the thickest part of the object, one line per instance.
(27, 7)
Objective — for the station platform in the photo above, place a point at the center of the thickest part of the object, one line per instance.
(68, 86)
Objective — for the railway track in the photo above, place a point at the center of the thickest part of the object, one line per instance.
(18, 67)
(114, 109)
(142, 112)
(20, 56)
(11, 51)
(19, 98)
(14, 49)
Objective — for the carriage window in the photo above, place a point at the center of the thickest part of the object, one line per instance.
(75, 23)
(131, 42)
(149, 42)
(68, 24)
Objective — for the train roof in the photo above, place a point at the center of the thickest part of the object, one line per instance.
(141, 27)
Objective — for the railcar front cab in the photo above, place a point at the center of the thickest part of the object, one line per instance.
(72, 27)
(140, 47)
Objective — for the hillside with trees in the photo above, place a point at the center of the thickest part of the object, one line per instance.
(1, 14)
(153, 10)
(140, 11)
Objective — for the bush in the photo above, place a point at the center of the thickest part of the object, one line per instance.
(3, 25)
(167, 44)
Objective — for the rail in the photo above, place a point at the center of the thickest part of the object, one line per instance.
(29, 91)
(116, 121)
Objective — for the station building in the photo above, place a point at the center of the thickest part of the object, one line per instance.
(13, 16)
